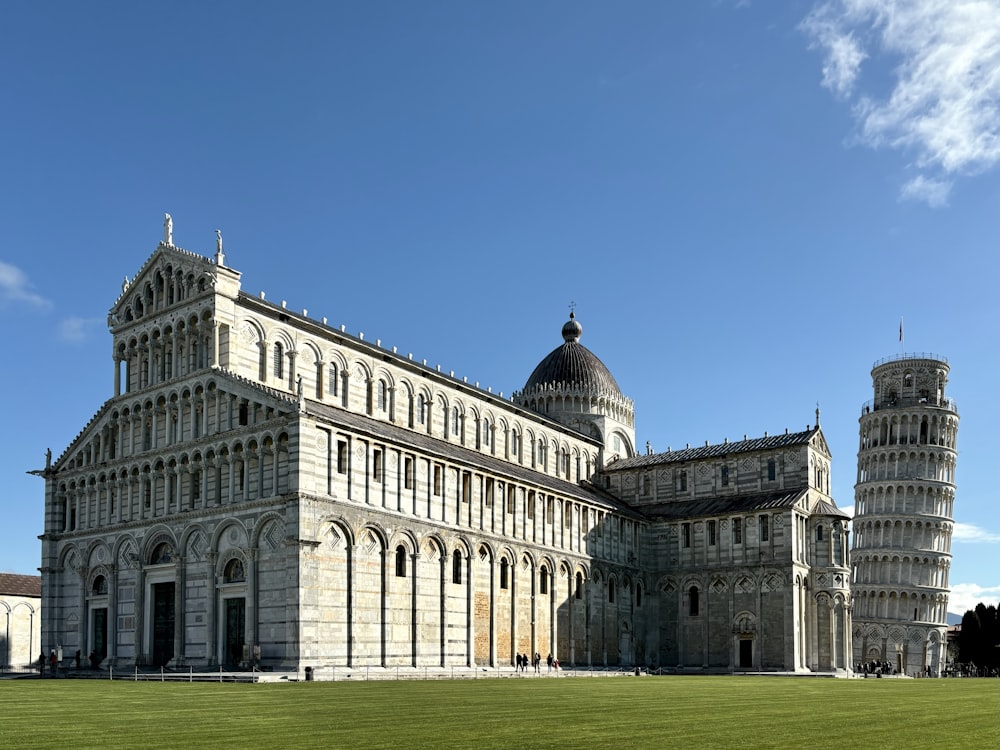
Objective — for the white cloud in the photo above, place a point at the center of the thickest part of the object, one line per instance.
(965, 596)
(943, 109)
(15, 288)
(966, 532)
(932, 192)
(75, 330)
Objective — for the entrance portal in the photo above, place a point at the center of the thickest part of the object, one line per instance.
(746, 653)
(235, 630)
(99, 633)
(163, 623)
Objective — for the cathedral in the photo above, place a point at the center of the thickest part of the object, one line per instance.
(263, 489)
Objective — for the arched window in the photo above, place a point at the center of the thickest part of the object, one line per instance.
(162, 553)
(504, 574)
(543, 580)
(578, 591)
(819, 533)
(454, 420)
(611, 591)
(279, 360)
(765, 528)
(421, 409)
(234, 571)
(693, 601)
(383, 396)
(456, 567)
(100, 586)
(638, 594)
(486, 434)
(333, 386)
(771, 470)
(401, 561)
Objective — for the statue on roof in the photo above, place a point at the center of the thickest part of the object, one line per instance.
(220, 259)
(168, 230)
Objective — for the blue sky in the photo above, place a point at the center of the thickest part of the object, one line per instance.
(741, 199)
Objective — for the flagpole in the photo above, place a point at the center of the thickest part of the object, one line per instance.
(900, 335)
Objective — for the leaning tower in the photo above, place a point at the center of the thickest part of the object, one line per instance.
(903, 516)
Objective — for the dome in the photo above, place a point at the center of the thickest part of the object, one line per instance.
(573, 364)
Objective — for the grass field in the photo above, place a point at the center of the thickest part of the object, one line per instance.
(625, 712)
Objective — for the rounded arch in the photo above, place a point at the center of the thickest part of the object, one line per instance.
(260, 528)
(280, 335)
(376, 529)
(240, 539)
(360, 368)
(252, 330)
(486, 553)
(232, 565)
(308, 348)
(334, 529)
(406, 538)
(434, 544)
(158, 535)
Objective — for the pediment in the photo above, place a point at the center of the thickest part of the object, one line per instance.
(818, 442)
(106, 423)
(169, 277)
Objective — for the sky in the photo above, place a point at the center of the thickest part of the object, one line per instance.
(741, 200)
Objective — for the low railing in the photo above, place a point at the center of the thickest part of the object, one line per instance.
(345, 674)
(899, 402)
(911, 355)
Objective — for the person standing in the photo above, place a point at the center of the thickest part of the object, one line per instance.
(41, 664)
(53, 663)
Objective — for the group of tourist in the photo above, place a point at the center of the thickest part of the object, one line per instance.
(53, 662)
(874, 667)
(523, 660)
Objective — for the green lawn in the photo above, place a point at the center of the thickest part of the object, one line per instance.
(623, 712)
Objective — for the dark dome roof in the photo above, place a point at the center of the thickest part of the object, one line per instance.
(573, 364)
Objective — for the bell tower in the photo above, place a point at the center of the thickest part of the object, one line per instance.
(904, 515)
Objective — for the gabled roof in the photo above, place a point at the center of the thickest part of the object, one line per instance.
(126, 398)
(766, 443)
(720, 506)
(13, 584)
(823, 508)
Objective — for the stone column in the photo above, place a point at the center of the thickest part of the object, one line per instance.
(276, 456)
(112, 615)
(211, 615)
(414, 630)
(215, 343)
(251, 600)
(140, 616)
(470, 620)
(179, 602)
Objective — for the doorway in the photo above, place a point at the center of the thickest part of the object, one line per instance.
(235, 625)
(746, 653)
(99, 633)
(163, 623)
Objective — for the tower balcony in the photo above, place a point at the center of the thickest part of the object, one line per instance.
(903, 402)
